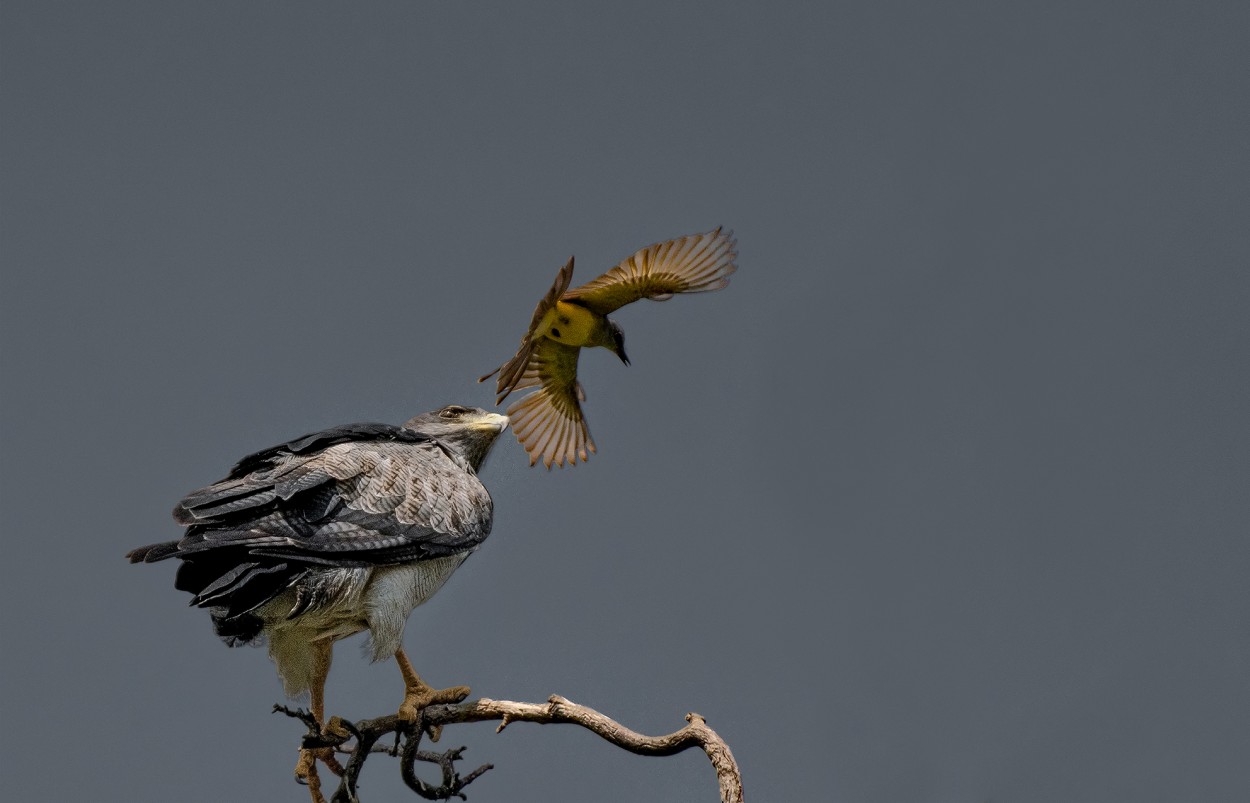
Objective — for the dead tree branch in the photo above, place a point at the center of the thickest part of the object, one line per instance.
(359, 740)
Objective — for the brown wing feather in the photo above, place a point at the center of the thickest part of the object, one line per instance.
(510, 373)
(549, 421)
(694, 264)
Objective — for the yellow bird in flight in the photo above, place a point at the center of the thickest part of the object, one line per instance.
(549, 422)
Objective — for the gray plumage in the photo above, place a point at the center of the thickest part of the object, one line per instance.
(340, 531)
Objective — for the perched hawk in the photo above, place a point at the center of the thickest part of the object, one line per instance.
(549, 421)
(335, 533)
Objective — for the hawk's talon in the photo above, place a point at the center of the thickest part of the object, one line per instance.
(336, 729)
(308, 758)
(306, 769)
(419, 697)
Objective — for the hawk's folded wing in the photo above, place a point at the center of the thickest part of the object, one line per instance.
(357, 502)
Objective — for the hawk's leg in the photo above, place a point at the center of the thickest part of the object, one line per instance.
(418, 694)
(306, 767)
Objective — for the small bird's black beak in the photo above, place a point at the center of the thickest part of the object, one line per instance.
(618, 341)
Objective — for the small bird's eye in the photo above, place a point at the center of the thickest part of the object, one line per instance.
(452, 411)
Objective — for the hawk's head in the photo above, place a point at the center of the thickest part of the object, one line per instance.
(471, 431)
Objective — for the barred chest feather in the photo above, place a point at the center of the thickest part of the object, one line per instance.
(394, 591)
(378, 599)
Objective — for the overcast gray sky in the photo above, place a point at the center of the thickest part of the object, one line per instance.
(943, 499)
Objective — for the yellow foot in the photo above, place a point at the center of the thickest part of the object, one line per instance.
(334, 728)
(417, 698)
(306, 769)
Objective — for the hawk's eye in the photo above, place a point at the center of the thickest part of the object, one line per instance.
(452, 411)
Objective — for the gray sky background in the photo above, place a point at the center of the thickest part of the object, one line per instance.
(944, 499)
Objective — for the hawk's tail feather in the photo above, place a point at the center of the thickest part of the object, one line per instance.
(237, 631)
(153, 552)
(234, 585)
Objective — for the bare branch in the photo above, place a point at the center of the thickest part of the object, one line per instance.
(557, 710)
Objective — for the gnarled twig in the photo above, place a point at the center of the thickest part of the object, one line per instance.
(556, 710)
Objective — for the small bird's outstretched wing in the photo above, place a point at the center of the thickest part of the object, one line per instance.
(511, 371)
(694, 264)
(549, 421)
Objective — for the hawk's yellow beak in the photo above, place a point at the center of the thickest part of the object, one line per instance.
(493, 421)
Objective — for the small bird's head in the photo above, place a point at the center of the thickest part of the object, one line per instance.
(471, 431)
(618, 340)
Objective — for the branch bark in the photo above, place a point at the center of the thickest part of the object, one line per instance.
(557, 710)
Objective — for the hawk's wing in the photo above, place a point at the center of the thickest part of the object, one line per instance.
(694, 264)
(511, 371)
(549, 422)
(353, 496)
(316, 441)
(356, 501)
